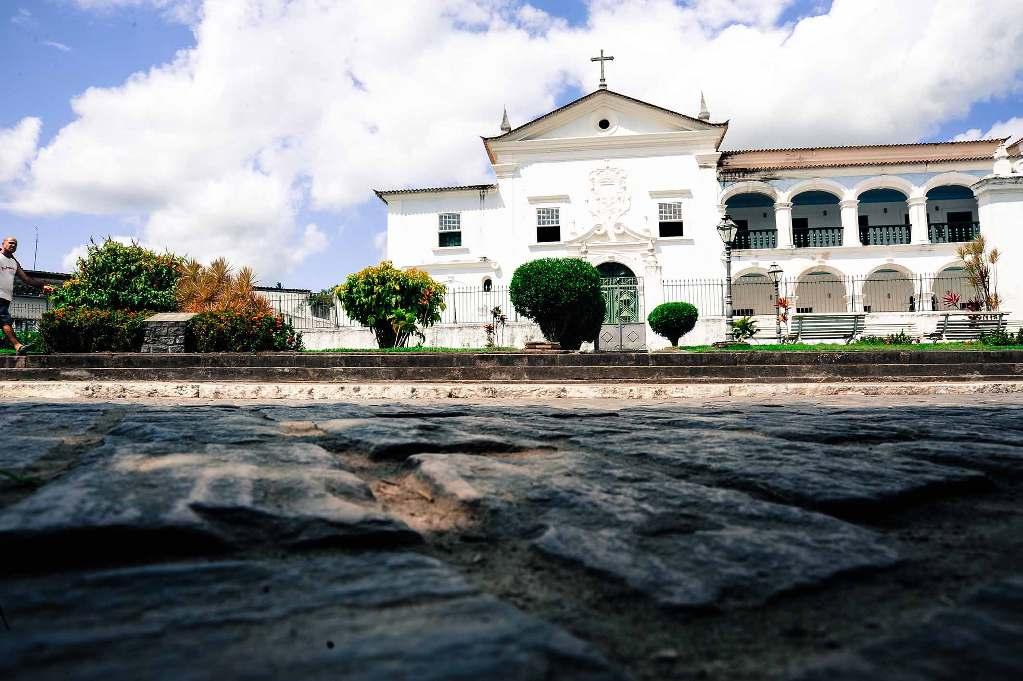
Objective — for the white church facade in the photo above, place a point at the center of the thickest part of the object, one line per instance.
(638, 190)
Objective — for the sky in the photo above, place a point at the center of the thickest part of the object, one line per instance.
(258, 129)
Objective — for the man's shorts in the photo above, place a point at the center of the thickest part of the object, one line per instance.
(5, 313)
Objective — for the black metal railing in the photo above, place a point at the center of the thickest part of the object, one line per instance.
(817, 237)
(952, 232)
(756, 238)
(885, 235)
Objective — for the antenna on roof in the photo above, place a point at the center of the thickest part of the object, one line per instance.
(704, 113)
(35, 257)
(505, 125)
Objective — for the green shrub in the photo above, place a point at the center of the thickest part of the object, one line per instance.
(900, 338)
(85, 329)
(1002, 337)
(743, 329)
(673, 320)
(113, 276)
(229, 331)
(563, 296)
(396, 304)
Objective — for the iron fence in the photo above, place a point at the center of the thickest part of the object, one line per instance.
(884, 291)
(463, 305)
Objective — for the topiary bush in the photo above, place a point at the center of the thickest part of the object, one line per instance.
(396, 304)
(228, 331)
(113, 276)
(673, 320)
(82, 329)
(563, 296)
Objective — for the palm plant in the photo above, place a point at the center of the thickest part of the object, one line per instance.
(980, 270)
(217, 288)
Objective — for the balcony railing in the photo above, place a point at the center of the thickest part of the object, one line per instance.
(756, 238)
(884, 235)
(950, 233)
(817, 237)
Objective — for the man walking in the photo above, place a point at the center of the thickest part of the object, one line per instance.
(9, 268)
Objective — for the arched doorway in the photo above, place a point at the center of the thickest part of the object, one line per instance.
(888, 290)
(953, 290)
(820, 291)
(752, 294)
(753, 212)
(816, 220)
(951, 214)
(624, 325)
(884, 217)
(614, 270)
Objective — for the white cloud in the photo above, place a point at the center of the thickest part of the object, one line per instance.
(284, 105)
(17, 147)
(22, 17)
(1011, 128)
(57, 46)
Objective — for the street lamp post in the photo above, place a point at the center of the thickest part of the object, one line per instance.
(726, 230)
(775, 273)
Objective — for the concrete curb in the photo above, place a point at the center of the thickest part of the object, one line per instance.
(147, 390)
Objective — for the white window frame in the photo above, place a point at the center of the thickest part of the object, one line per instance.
(677, 210)
(449, 227)
(544, 217)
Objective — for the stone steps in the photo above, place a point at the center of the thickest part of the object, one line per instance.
(489, 367)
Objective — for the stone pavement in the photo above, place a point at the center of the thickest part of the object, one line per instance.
(860, 538)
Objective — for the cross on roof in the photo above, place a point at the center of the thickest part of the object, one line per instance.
(602, 59)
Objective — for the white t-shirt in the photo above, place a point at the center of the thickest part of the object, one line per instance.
(8, 268)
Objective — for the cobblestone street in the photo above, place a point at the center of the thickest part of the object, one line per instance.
(844, 538)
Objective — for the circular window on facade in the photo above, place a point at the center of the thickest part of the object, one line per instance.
(603, 124)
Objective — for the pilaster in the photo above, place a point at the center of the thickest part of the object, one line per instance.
(850, 222)
(783, 223)
(918, 219)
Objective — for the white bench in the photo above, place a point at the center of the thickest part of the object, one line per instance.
(874, 329)
(819, 326)
(967, 326)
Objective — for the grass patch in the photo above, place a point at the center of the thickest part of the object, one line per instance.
(417, 349)
(852, 347)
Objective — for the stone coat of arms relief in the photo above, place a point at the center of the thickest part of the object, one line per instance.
(608, 202)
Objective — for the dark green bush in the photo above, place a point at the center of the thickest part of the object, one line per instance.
(83, 329)
(1002, 337)
(237, 332)
(562, 295)
(900, 338)
(673, 320)
(113, 276)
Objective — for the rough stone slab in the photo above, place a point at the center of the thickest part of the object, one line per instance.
(136, 500)
(399, 438)
(1000, 459)
(981, 639)
(170, 317)
(32, 430)
(362, 617)
(846, 480)
(203, 425)
(682, 545)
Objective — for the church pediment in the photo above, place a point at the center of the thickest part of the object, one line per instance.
(610, 116)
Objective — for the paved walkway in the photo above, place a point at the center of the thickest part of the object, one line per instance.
(576, 539)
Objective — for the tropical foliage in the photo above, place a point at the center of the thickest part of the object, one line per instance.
(980, 270)
(563, 296)
(218, 288)
(396, 304)
(673, 320)
(115, 276)
(743, 329)
(83, 329)
(231, 331)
